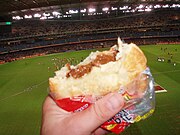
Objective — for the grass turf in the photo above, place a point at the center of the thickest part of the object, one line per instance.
(24, 86)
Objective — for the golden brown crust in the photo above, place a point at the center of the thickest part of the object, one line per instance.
(135, 60)
(53, 89)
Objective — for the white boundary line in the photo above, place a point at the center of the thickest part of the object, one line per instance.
(160, 91)
(23, 91)
(166, 72)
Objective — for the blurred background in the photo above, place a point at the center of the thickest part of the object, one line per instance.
(38, 37)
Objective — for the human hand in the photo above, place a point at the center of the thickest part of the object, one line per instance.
(56, 121)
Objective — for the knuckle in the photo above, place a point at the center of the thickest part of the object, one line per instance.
(100, 112)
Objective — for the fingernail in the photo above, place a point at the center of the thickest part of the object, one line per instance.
(115, 102)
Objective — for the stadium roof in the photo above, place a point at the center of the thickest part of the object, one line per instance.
(38, 5)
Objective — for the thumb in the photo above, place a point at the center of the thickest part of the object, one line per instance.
(99, 112)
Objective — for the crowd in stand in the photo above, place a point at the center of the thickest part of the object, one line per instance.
(10, 46)
(149, 24)
(40, 27)
(8, 57)
(12, 56)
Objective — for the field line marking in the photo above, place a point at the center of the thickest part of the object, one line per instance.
(166, 72)
(23, 91)
(161, 91)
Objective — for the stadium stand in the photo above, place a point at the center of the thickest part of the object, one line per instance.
(40, 37)
(48, 27)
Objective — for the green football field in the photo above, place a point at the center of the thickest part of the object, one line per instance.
(24, 86)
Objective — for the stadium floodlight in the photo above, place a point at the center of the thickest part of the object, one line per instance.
(157, 6)
(148, 9)
(149, 6)
(140, 6)
(50, 17)
(46, 14)
(114, 8)
(175, 5)
(55, 13)
(37, 15)
(165, 6)
(28, 16)
(127, 11)
(105, 9)
(123, 8)
(99, 13)
(83, 10)
(73, 11)
(132, 10)
(140, 10)
(59, 16)
(65, 16)
(17, 18)
(92, 10)
(43, 18)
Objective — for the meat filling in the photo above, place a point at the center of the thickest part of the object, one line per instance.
(85, 69)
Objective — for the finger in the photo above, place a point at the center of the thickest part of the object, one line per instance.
(49, 106)
(101, 131)
(51, 115)
(98, 113)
